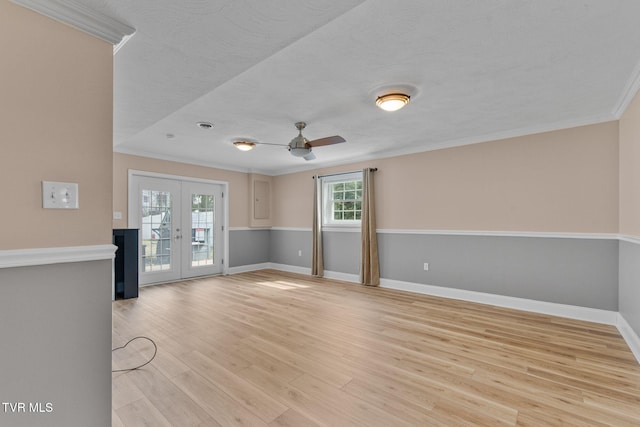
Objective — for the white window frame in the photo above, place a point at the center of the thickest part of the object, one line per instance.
(327, 205)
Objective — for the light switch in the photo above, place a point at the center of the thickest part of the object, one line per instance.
(59, 195)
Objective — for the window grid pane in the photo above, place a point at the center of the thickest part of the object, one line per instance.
(156, 230)
(202, 229)
(346, 200)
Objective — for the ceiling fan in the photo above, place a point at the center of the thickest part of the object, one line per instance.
(299, 146)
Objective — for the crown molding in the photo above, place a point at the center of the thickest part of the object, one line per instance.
(185, 160)
(629, 92)
(79, 16)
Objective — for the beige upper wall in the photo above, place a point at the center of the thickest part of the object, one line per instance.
(293, 194)
(630, 169)
(55, 125)
(238, 184)
(561, 181)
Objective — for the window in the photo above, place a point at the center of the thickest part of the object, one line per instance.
(342, 199)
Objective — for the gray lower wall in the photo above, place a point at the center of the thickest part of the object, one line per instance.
(247, 247)
(630, 284)
(55, 327)
(286, 244)
(580, 272)
(341, 251)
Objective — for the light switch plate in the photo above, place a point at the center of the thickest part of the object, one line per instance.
(59, 195)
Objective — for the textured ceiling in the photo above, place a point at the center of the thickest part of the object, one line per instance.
(475, 71)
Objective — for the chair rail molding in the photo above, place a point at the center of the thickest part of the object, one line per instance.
(43, 256)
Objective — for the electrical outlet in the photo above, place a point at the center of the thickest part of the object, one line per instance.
(426, 266)
(300, 252)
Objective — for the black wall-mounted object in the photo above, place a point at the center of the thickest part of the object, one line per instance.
(126, 263)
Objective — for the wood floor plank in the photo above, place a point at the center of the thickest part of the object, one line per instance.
(389, 401)
(175, 406)
(270, 364)
(421, 396)
(222, 351)
(614, 406)
(282, 349)
(292, 418)
(115, 420)
(123, 391)
(141, 413)
(317, 411)
(222, 407)
(549, 416)
(351, 407)
(252, 398)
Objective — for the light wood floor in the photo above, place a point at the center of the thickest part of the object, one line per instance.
(277, 349)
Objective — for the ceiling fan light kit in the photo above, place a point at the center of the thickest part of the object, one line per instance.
(244, 145)
(392, 101)
(299, 151)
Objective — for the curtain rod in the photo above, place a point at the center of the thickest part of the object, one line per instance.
(343, 173)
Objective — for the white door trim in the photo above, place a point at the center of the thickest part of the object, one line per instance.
(132, 200)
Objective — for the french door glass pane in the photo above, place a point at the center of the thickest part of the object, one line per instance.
(202, 229)
(156, 230)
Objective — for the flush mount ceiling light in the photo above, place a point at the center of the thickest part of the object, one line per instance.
(392, 101)
(244, 145)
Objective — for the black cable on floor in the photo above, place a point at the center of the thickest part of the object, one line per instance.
(155, 351)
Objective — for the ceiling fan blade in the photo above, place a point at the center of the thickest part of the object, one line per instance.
(270, 143)
(326, 141)
(310, 156)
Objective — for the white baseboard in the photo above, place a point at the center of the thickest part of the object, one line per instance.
(335, 275)
(345, 277)
(562, 310)
(290, 268)
(630, 336)
(249, 267)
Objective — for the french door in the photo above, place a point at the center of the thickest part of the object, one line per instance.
(181, 227)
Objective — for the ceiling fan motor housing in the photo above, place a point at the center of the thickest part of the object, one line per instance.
(299, 147)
